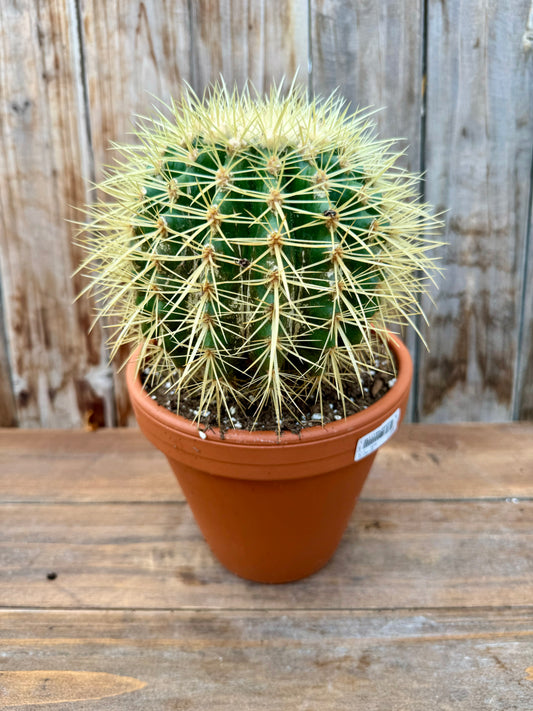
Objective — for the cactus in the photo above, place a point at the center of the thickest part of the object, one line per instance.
(258, 247)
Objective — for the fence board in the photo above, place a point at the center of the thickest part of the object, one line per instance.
(524, 377)
(8, 415)
(135, 54)
(134, 51)
(120, 466)
(373, 53)
(248, 39)
(43, 168)
(478, 158)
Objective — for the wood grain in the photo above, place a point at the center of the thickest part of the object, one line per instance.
(478, 159)
(8, 411)
(249, 39)
(524, 376)
(56, 367)
(394, 554)
(136, 53)
(25, 688)
(373, 53)
(332, 661)
(120, 465)
(426, 604)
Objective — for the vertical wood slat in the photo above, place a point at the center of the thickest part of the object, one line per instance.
(135, 54)
(249, 39)
(478, 159)
(373, 53)
(8, 413)
(57, 366)
(524, 377)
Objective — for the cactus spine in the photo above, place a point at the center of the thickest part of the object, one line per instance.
(258, 248)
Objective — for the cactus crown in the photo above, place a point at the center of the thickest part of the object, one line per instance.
(258, 247)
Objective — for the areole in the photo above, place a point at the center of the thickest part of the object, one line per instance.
(273, 509)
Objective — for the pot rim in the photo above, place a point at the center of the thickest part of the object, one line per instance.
(365, 419)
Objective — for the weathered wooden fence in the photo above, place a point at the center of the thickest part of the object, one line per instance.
(455, 76)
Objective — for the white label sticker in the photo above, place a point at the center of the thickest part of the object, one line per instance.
(371, 441)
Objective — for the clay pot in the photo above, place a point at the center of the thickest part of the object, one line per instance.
(273, 510)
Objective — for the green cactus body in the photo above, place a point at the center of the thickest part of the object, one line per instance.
(259, 247)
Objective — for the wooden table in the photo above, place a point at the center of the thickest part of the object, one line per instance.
(111, 600)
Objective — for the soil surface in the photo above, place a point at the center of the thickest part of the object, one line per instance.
(376, 382)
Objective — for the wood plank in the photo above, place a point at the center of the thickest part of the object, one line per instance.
(245, 39)
(44, 167)
(478, 158)
(456, 461)
(336, 661)
(133, 51)
(523, 394)
(523, 403)
(373, 53)
(120, 465)
(393, 555)
(8, 410)
(78, 466)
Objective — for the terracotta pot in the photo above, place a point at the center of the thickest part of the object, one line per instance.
(273, 510)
